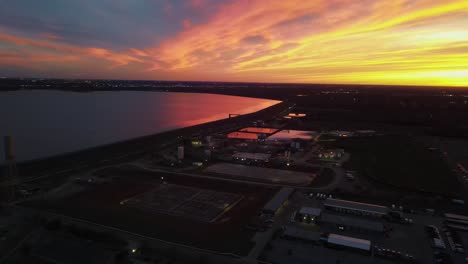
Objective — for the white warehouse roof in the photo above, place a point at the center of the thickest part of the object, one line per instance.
(350, 205)
(351, 242)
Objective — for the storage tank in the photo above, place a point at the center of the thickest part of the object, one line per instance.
(180, 152)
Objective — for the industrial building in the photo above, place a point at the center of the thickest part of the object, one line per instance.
(347, 242)
(339, 133)
(251, 157)
(278, 201)
(331, 154)
(296, 115)
(259, 130)
(308, 214)
(455, 221)
(296, 139)
(243, 135)
(290, 135)
(456, 217)
(180, 153)
(356, 208)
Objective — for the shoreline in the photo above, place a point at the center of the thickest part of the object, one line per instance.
(121, 151)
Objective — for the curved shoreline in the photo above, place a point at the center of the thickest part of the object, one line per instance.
(132, 148)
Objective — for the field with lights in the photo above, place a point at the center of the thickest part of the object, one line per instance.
(181, 209)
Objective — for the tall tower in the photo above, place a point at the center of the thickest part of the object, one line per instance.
(11, 171)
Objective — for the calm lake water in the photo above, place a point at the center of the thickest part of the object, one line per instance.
(46, 123)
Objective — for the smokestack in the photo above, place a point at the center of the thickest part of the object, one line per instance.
(8, 142)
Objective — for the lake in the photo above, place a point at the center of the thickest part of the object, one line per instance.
(46, 123)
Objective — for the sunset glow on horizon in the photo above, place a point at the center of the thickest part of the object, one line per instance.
(390, 42)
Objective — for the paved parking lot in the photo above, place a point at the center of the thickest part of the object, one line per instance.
(405, 238)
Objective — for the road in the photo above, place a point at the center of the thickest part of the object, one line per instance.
(261, 239)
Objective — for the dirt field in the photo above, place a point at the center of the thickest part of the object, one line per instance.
(401, 161)
(101, 204)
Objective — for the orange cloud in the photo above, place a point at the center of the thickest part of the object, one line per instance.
(420, 42)
(59, 51)
(327, 41)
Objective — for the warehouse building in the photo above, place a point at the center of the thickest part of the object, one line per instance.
(247, 157)
(297, 139)
(352, 243)
(290, 135)
(259, 130)
(243, 135)
(308, 214)
(355, 208)
(455, 221)
(278, 201)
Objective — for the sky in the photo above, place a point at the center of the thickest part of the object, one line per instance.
(404, 42)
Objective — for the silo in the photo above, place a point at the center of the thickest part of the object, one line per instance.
(180, 152)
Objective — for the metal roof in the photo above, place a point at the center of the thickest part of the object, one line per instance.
(277, 201)
(351, 242)
(457, 221)
(459, 227)
(242, 135)
(456, 217)
(363, 207)
(310, 211)
(286, 135)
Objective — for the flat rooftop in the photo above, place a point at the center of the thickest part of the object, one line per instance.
(349, 241)
(351, 205)
(263, 174)
(261, 130)
(242, 135)
(456, 216)
(310, 211)
(286, 135)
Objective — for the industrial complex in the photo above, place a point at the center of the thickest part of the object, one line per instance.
(268, 191)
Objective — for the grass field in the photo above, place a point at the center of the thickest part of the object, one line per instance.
(401, 161)
(101, 204)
